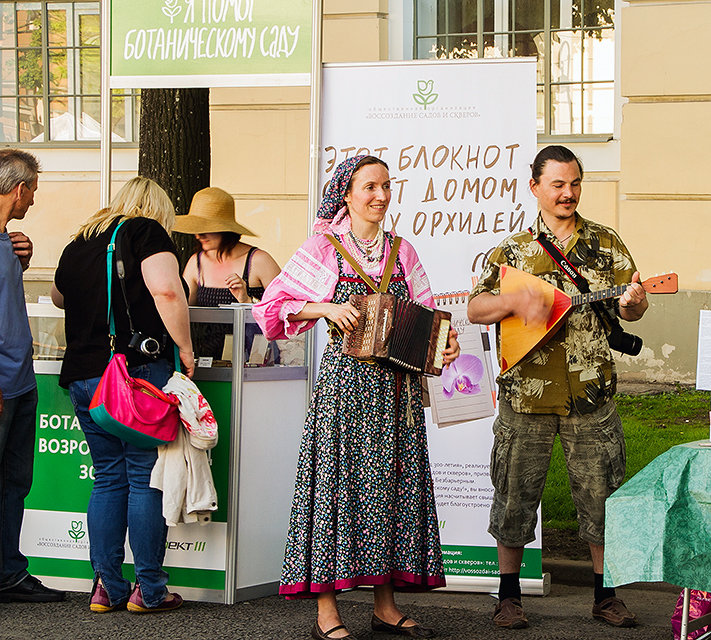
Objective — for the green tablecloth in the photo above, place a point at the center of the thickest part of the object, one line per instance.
(658, 524)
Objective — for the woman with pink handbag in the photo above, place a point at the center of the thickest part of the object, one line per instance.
(150, 309)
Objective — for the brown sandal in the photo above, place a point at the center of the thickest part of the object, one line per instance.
(317, 634)
(414, 631)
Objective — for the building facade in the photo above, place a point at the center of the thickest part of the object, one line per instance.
(629, 97)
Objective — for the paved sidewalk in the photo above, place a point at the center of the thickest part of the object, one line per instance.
(562, 615)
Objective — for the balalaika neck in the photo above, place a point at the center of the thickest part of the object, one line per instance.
(594, 296)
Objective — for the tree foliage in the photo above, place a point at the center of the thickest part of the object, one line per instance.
(30, 62)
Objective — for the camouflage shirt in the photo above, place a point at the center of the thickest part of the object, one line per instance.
(574, 370)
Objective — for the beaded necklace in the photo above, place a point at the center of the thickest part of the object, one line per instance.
(367, 253)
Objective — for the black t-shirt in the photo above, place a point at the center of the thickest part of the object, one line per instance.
(81, 279)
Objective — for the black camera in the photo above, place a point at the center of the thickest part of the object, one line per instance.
(145, 344)
(618, 339)
(624, 342)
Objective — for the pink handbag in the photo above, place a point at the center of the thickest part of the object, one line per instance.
(133, 409)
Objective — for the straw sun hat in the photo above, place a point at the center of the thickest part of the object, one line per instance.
(211, 211)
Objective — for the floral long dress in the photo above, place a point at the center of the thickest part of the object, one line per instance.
(363, 509)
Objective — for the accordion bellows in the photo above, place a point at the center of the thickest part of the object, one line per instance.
(399, 333)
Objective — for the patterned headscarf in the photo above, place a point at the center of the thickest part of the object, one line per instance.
(333, 202)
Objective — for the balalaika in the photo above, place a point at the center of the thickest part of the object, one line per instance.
(399, 333)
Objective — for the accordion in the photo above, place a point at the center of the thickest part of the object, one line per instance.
(399, 333)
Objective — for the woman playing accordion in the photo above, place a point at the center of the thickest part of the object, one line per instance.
(364, 509)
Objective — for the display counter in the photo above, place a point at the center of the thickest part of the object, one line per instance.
(258, 395)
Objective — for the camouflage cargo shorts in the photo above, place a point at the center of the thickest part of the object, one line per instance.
(594, 448)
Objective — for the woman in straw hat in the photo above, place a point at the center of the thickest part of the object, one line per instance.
(213, 272)
(225, 269)
(364, 508)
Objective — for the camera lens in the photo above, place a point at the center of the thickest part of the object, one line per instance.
(624, 342)
(150, 346)
(631, 344)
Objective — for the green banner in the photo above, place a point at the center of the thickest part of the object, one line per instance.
(54, 531)
(204, 43)
(63, 473)
(81, 569)
(483, 562)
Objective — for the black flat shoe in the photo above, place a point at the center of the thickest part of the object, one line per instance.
(415, 631)
(31, 590)
(317, 634)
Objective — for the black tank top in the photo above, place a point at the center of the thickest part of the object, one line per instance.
(215, 296)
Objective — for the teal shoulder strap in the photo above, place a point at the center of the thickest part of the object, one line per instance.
(109, 276)
(110, 248)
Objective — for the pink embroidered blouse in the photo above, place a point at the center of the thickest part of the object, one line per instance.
(311, 275)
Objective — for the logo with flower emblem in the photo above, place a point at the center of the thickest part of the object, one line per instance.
(171, 9)
(422, 106)
(77, 532)
(425, 93)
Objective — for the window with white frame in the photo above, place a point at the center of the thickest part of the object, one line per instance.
(50, 75)
(573, 41)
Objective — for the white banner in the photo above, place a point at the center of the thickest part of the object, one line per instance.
(459, 137)
(64, 535)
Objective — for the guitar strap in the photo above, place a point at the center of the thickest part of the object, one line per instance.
(557, 256)
(602, 312)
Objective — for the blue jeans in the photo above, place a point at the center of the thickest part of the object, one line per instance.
(17, 451)
(122, 499)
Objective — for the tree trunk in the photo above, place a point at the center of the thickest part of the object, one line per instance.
(174, 148)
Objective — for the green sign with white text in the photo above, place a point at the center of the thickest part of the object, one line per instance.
(210, 43)
(55, 530)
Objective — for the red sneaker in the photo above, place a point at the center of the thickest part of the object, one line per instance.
(136, 604)
(99, 600)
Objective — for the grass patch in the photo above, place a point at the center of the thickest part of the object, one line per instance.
(652, 425)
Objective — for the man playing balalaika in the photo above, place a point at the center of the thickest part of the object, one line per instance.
(565, 386)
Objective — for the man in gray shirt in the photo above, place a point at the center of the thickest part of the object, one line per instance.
(18, 410)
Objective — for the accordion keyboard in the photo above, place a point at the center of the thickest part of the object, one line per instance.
(442, 338)
(369, 325)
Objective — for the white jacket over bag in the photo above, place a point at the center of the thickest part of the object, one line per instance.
(182, 471)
